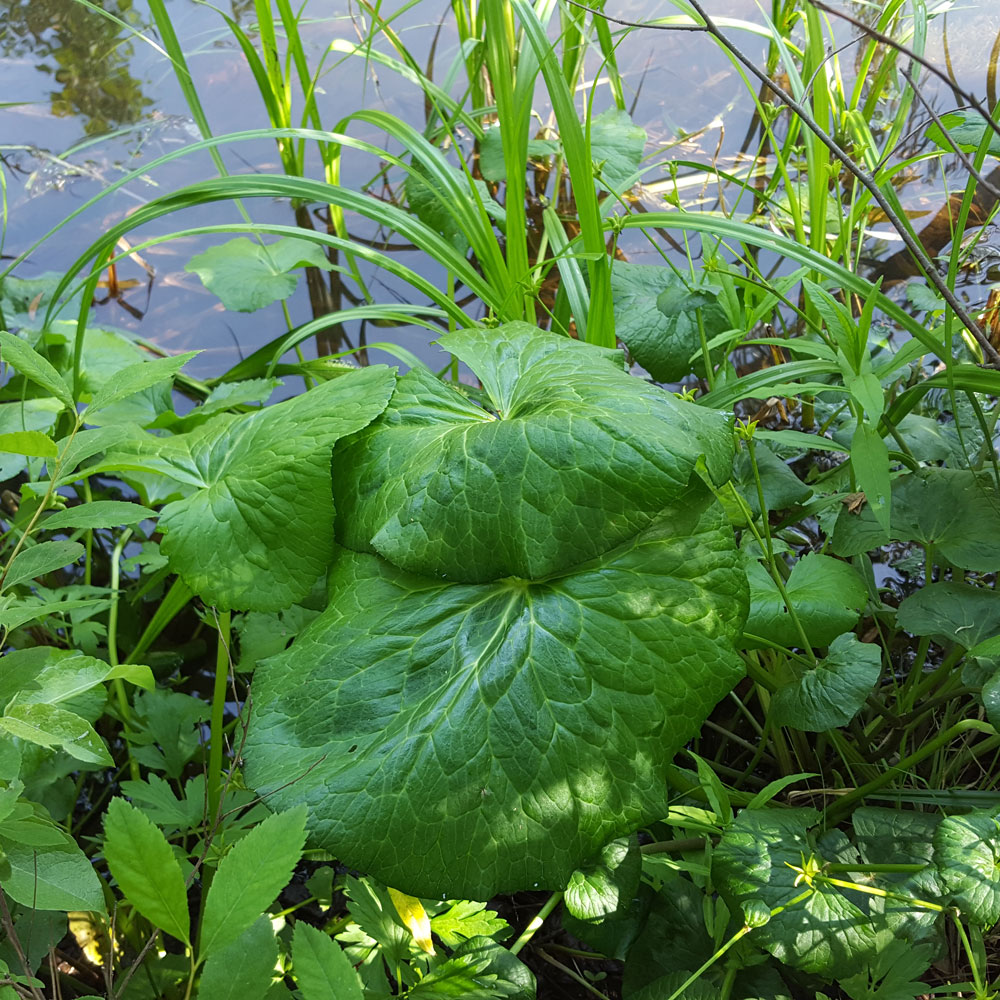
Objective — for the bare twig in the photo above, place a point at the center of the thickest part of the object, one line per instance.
(990, 354)
(966, 162)
(879, 36)
(638, 24)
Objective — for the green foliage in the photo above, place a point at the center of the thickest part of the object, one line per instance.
(248, 276)
(451, 632)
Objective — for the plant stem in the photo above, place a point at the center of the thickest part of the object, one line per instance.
(218, 711)
(539, 918)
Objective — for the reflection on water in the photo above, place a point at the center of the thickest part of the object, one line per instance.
(83, 75)
(86, 58)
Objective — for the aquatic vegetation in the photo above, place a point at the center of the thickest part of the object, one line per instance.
(668, 591)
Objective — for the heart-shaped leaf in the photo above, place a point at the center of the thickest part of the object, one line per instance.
(247, 275)
(827, 595)
(573, 457)
(832, 693)
(967, 855)
(952, 612)
(497, 735)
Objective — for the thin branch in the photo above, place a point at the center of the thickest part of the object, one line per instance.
(879, 36)
(966, 162)
(990, 354)
(637, 24)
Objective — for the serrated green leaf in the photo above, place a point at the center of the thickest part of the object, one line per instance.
(137, 378)
(250, 877)
(833, 692)
(825, 933)
(656, 317)
(322, 970)
(605, 888)
(31, 563)
(98, 514)
(145, 868)
(247, 276)
(256, 532)
(967, 856)
(466, 919)
(616, 148)
(25, 359)
(244, 969)
(52, 878)
(33, 443)
(826, 593)
(459, 720)
(442, 487)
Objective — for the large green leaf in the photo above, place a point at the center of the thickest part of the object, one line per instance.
(966, 852)
(247, 275)
(497, 735)
(257, 530)
(575, 457)
(952, 612)
(52, 878)
(832, 693)
(657, 314)
(951, 509)
(827, 596)
(823, 933)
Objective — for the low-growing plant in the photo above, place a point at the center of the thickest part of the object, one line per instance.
(706, 654)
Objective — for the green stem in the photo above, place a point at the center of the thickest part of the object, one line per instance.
(218, 710)
(539, 918)
(843, 805)
(117, 685)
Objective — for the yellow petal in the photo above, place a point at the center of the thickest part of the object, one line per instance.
(411, 911)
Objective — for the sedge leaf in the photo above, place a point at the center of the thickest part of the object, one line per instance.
(145, 868)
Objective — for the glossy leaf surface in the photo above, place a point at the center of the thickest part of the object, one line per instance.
(573, 457)
(498, 735)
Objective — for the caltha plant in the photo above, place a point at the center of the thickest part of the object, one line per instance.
(534, 601)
